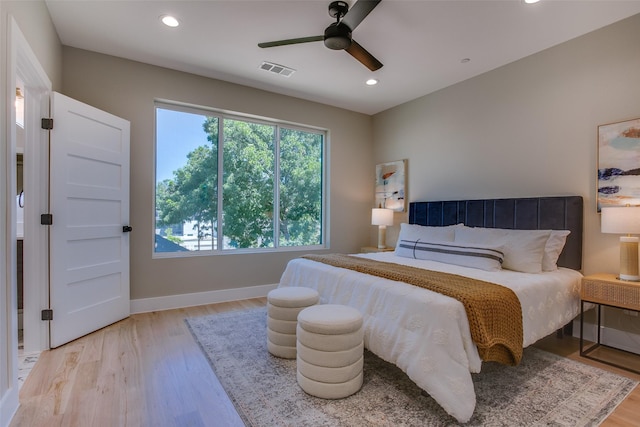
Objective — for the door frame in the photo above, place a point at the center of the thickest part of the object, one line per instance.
(8, 341)
(23, 63)
(36, 190)
(20, 61)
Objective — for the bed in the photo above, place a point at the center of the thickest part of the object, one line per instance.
(428, 334)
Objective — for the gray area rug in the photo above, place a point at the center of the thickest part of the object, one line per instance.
(544, 390)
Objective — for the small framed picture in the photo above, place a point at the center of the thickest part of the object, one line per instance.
(619, 164)
(391, 184)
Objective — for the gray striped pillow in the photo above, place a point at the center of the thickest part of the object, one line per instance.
(484, 257)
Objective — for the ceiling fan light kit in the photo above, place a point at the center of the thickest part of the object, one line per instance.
(337, 36)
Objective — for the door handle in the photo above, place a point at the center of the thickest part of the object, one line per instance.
(126, 229)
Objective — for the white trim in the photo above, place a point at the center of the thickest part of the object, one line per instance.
(8, 310)
(8, 407)
(36, 183)
(622, 340)
(145, 305)
(589, 332)
(20, 61)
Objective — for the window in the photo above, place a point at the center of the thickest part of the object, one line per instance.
(226, 183)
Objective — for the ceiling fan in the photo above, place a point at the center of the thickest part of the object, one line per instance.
(337, 36)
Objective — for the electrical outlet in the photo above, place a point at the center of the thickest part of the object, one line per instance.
(630, 313)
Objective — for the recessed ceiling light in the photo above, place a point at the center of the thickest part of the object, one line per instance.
(170, 21)
(372, 82)
(531, 1)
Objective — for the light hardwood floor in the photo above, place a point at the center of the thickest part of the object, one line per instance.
(148, 371)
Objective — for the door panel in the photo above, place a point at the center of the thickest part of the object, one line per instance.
(90, 204)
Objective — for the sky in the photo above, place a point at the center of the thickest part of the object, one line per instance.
(177, 134)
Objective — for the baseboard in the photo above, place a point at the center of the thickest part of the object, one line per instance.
(8, 406)
(612, 337)
(145, 305)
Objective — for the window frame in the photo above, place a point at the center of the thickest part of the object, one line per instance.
(232, 115)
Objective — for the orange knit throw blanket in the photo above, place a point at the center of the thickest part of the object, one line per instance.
(494, 312)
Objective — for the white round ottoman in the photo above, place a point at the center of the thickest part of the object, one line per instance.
(283, 306)
(330, 351)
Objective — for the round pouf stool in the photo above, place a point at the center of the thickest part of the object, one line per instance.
(330, 350)
(283, 306)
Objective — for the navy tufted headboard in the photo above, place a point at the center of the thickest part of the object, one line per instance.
(532, 213)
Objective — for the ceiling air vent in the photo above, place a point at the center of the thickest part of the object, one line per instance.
(277, 69)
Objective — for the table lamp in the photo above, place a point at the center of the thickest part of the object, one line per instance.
(624, 220)
(381, 217)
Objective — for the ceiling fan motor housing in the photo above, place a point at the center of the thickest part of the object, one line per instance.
(337, 36)
(337, 9)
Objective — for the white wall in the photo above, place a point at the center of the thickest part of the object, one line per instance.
(127, 89)
(525, 129)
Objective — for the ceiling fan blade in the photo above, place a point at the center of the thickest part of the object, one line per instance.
(292, 41)
(358, 12)
(363, 56)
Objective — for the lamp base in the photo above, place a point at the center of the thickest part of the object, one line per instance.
(626, 278)
(629, 270)
(382, 236)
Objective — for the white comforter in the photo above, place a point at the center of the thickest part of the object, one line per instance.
(427, 334)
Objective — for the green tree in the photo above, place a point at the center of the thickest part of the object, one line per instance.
(248, 186)
(300, 188)
(192, 194)
(171, 237)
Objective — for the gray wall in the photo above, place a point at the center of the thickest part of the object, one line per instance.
(127, 89)
(526, 129)
(33, 19)
(36, 25)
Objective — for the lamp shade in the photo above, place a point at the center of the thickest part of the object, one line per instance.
(620, 220)
(381, 216)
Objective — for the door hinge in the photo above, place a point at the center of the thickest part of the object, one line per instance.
(46, 219)
(47, 123)
(47, 314)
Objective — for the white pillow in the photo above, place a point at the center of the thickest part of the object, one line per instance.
(484, 257)
(523, 249)
(553, 249)
(426, 233)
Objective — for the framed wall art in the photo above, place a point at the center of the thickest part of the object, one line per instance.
(391, 184)
(619, 164)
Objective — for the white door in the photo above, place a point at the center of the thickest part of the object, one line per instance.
(89, 246)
